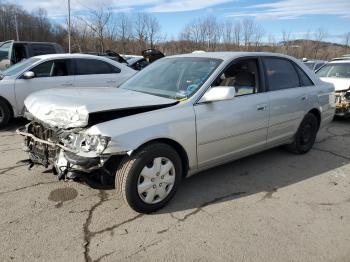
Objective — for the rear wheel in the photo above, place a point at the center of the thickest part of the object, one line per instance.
(149, 178)
(5, 114)
(305, 136)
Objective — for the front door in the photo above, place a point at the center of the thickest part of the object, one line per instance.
(231, 129)
(49, 74)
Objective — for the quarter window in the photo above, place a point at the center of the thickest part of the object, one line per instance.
(280, 74)
(304, 79)
(94, 67)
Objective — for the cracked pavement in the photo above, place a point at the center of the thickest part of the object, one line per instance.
(273, 206)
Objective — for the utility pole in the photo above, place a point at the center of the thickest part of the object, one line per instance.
(16, 26)
(69, 50)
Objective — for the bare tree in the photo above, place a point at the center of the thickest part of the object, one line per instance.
(97, 20)
(124, 30)
(153, 30)
(237, 32)
(141, 29)
(319, 37)
(347, 39)
(286, 41)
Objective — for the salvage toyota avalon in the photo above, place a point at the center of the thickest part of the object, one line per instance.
(178, 116)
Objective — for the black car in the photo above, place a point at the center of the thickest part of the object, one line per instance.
(12, 52)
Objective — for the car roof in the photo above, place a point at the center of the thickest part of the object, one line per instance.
(230, 55)
(77, 55)
(343, 59)
(27, 42)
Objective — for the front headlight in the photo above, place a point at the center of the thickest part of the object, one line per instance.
(88, 143)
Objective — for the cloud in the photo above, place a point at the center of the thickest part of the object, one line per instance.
(184, 5)
(59, 8)
(292, 9)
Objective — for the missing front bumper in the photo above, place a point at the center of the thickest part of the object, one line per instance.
(43, 148)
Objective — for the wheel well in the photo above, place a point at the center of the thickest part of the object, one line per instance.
(8, 104)
(317, 114)
(178, 148)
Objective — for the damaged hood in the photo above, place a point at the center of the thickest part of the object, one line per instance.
(84, 107)
(340, 84)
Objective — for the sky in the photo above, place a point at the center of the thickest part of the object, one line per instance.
(295, 16)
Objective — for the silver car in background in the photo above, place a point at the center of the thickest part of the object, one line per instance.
(66, 71)
(178, 116)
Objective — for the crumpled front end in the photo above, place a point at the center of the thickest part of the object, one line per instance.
(342, 103)
(68, 151)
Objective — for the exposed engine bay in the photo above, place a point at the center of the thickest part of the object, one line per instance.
(70, 153)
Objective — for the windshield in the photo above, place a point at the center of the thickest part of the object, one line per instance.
(175, 78)
(340, 70)
(17, 68)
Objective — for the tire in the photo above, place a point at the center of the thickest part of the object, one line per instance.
(5, 113)
(306, 135)
(141, 182)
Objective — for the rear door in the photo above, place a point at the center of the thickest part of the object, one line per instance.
(55, 73)
(96, 73)
(288, 96)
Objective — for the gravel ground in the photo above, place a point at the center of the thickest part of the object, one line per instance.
(273, 206)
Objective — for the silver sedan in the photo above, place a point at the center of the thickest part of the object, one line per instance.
(180, 115)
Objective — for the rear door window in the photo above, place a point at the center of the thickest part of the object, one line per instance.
(280, 74)
(94, 67)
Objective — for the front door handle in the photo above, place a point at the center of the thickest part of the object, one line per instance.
(304, 98)
(112, 81)
(261, 107)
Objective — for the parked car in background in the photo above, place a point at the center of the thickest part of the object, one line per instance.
(127, 57)
(178, 116)
(337, 72)
(314, 65)
(148, 57)
(55, 71)
(12, 52)
(138, 63)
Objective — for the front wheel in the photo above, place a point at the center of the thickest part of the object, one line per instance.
(5, 114)
(149, 178)
(306, 135)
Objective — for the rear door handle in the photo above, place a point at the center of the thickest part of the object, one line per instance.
(304, 98)
(67, 84)
(112, 81)
(261, 107)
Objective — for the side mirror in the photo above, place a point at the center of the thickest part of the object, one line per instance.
(218, 93)
(28, 75)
